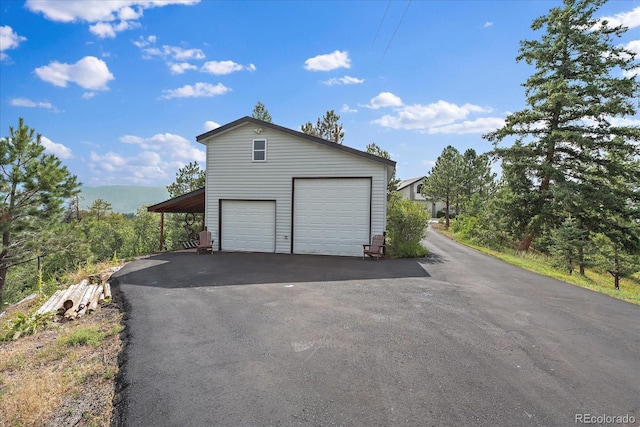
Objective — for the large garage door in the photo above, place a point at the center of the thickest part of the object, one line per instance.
(248, 226)
(331, 216)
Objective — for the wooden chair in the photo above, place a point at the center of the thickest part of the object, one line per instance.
(205, 244)
(375, 249)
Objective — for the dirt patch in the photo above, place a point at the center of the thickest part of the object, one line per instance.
(66, 375)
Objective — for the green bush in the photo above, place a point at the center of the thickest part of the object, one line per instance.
(26, 324)
(406, 225)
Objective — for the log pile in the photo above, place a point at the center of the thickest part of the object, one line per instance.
(77, 300)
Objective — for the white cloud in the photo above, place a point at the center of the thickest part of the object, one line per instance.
(384, 99)
(175, 52)
(107, 17)
(488, 24)
(480, 125)
(58, 150)
(329, 61)
(88, 95)
(159, 157)
(210, 125)
(629, 19)
(346, 109)
(175, 146)
(346, 80)
(109, 30)
(180, 67)
(25, 102)
(197, 90)
(8, 40)
(225, 67)
(428, 117)
(633, 46)
(88, 73)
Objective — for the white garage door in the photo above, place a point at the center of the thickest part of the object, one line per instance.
(331, 216)
(248, 226)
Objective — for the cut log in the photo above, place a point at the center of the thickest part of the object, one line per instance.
(107, 290)
(84, 301)
(63, 298)
(70, 314)
(49, 305)
(93, 302)
(73, 301)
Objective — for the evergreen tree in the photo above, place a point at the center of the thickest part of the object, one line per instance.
(188, 178)
(327, 127)
(582, 81)
(443, 181)
(477, 182)
(260, 112)
(392, 185)
(33, 189)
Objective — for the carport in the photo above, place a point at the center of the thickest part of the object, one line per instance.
(192, 202)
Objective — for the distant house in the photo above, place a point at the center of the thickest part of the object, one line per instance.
(273, 189)
(411, 189)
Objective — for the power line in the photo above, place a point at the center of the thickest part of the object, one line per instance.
(396, 30)
(381, 22)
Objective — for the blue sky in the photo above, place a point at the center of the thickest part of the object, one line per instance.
(120, 89)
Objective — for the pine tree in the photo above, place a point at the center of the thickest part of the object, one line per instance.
(583, 80)
(33, 189)
(260, 112)
(443, 181)
(327, 127)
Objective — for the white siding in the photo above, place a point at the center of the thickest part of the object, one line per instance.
(232, 175)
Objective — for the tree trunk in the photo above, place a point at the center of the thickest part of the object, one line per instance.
(446, 214)
(525, 243)
(3, 266)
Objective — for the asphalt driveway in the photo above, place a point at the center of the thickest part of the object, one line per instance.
(457, 338)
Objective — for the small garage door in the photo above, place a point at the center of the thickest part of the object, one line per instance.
(248, 226)
(331, 216)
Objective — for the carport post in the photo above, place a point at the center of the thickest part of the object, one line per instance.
(161, 231)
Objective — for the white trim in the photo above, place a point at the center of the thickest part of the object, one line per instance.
(254, 151)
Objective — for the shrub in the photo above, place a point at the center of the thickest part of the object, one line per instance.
(406, 224)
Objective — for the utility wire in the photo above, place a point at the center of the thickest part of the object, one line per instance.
(396, 30)
(381, 22)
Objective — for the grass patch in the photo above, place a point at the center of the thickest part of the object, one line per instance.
(61, 375)
(603, 283)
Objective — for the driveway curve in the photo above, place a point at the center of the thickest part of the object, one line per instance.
(457, 338)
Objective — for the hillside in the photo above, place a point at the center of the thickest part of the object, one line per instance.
(123, 198)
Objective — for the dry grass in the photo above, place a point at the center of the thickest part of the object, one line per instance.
(64, 375)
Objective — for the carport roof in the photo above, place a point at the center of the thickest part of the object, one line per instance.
(190, 202)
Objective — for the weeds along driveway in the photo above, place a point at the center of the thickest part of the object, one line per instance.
(457, 338)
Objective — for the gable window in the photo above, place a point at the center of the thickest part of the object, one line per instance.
(259, 150)
(419, 188)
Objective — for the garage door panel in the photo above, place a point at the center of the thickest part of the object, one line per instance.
(248, 225)
(332, 216)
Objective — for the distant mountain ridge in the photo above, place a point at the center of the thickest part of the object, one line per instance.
(123, 198)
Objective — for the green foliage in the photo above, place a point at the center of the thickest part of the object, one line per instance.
(443, 181)
(260, 112)
(392, 185)
(25, 324)
(327, 127)
(612, 258)
(406, 226)
(83, 336)
(188, 178)
(567, 142)
(34, 186)
(567, 245)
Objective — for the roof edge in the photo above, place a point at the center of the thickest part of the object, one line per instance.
(248, 119)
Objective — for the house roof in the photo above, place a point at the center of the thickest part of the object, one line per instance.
(247, 119)
(408, 182)
(189, 202)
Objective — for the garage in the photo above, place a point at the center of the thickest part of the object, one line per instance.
(331, 216)
(248, 225)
